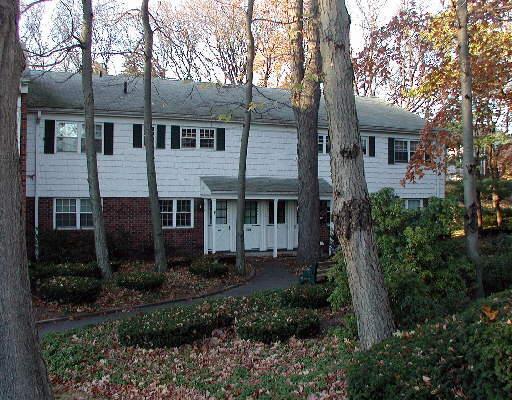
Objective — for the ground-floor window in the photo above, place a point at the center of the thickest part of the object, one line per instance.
(73, 214)
(251, 212)
(177, 213)
(413, 204)
(281, 212)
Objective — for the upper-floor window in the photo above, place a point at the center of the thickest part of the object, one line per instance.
(207, 138)
(177, 213)
(405, 150)
(324, 146)
(364, 145)
(73, 214)
(70, 137)
(188, 138)
(202, 138)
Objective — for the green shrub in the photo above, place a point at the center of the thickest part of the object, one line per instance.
(44, 271)
(208, 267)
(59, 246)
(497, 272)
(173, 327)
(277, 325)
(178, 261)
(468, 353)
(70, 289)
(307, 296)
(140, 280)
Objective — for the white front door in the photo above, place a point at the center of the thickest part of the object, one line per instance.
(222, 227)
(252, 229)
(282, 227)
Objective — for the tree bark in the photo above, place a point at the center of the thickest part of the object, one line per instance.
(22, 369)
(156, 222)
(240, 206)
(100, 239)
(305, 99)
(351, 209)
(470, 166)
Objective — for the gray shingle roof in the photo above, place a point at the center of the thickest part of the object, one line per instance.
(260, 186)
(200, 101)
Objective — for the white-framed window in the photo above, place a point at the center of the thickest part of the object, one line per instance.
(221, 214)
(405, 150)
(207, 138)
(188, 138)
(72, 213)
(177, 213)
(70, 137)
(364, 145)
(413, 204)
(324, 147)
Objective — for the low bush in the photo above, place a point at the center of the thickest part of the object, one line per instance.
(308, 296)
(66, 246)
(178, 261)
(208, 267)
(277, 325)
(44, 271)
(140, 280)
(497, 272)
(468, 355)
(174, 327)
(70, 289)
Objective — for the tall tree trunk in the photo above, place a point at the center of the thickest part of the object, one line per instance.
(470, 166)
(156, 222)
(100, 239)
(240, 206)
(305, 99)
(351, 209)
(22, 369)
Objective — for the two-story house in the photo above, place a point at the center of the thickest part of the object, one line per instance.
(197, 130)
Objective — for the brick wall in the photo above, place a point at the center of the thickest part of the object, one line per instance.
(128, 225)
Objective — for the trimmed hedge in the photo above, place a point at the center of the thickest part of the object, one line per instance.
(207, 267)
(140, 280)
(277, 325)
(172, 328)
(44, 271)
(468, 353)
(308, 296)
(70, 289)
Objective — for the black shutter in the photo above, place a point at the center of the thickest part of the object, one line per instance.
(371, 144)
(108, 137)
(221, 139)
(160, 136)
(137, 136)
(391, 150)
(175, 137)
(49, 136)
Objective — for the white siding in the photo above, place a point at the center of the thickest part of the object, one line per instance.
(272, 153)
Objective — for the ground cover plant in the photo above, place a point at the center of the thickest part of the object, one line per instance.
(133, 283)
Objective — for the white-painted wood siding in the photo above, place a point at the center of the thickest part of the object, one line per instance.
(271, 153)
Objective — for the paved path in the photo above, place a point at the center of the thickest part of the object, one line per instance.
(270, 275)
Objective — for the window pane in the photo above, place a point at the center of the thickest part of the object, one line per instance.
(65, 205)
(166, 213)
(85, 206)
(183, 213)
(413, 204)
(413, 146)
(207, 138)
(86, 220)
(251, 212)
(281, 212)
(188, 138)
(401, 153)
(67, 136)
(222, 212)
(364, 144)
(98, 138)
(320, 144)
(65, 220)
(327, 145)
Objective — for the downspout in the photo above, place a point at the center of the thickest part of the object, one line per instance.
(36, 194)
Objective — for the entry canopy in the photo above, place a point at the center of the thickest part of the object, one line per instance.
(257, 188)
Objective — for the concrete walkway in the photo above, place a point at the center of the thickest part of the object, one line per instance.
(270, 275)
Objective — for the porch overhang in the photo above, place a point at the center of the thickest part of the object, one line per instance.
(260, 188)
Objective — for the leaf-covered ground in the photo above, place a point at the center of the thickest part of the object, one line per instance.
(91, 364)
(179, 283)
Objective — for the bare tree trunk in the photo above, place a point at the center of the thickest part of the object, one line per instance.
(22, 369)
(156, 222)
(351, 210)
(100, 239)
(305, 98)
(240, 206)
(470, 166)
